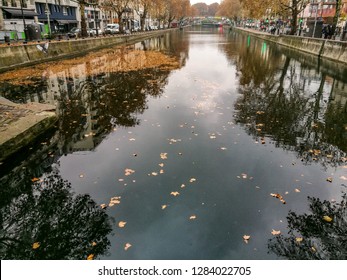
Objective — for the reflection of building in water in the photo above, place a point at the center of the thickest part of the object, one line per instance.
(339, 93)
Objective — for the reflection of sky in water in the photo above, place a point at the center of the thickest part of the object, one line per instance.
(197, 108)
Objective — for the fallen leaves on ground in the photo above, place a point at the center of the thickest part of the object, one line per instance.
(280, 197)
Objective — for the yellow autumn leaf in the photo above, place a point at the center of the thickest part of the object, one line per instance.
(163, 207)
(299, 239)
(122, 224)
(127, 246)
(192, 180)
(163, 155)
(94, 244)
(128, 171)
(35, 180)
(192, 217)
(90, 257)
(297, 190)
(275, 232)
(327, 219)
(36, 245)
(175, 193)
(330, 179)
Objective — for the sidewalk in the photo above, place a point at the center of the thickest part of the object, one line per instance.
(20, 124)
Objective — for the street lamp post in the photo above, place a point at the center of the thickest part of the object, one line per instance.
(24, 24)
(48, 19)
(315, 20)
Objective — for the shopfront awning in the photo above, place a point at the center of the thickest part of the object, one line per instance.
(65, 21)
(18, 12)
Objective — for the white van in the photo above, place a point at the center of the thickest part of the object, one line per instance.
(112, 28)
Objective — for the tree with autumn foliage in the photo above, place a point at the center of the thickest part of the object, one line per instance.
(230, 8)
(169, 10)
(143, 8)
(117, 6)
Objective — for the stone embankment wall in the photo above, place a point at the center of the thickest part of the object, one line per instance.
(24, 55)
(328, 49)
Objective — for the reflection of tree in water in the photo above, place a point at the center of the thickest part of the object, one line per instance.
(282, 105)
(320, 235)
(65, 225)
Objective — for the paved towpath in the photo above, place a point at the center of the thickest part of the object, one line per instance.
(22, 123)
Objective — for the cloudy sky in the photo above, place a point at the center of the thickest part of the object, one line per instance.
(208, 2)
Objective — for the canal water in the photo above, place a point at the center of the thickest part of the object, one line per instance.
(199, 144)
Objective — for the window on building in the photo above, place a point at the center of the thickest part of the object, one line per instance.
(4, 3)
(13, 3)
(65, 11)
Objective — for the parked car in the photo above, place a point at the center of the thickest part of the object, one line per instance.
(112, 28)
(76, 32)
(96, 31)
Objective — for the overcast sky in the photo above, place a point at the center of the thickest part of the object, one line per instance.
(208, 2)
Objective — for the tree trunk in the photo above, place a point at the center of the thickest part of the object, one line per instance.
(83, 20)
(336, 16)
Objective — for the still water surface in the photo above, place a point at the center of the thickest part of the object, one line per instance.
(198, 143)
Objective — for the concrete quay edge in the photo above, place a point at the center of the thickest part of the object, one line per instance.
(323, 48)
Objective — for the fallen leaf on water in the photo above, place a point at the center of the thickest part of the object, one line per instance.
(35, 180)
(193, 217)
(175, 193)
(94, 244)
(280, 197)
(161, 171)
(154, 174)
(192, 180)
(246, 238)
(343, 177)
(275, 232)
(223, 148)
(163, 155)
(90, 257)
(161, 164)
(327, 219)
(129, 171)
(163, 207)
(127, 246)
(114, 200)
(81, 175)
(122, 224)
(132, 139)
(103, 206)
(330, 179)
(36, 245)
(297, 190)
(299, 239)
(183, 186)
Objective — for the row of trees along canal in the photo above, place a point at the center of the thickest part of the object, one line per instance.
(164, 11)
(258, 9)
